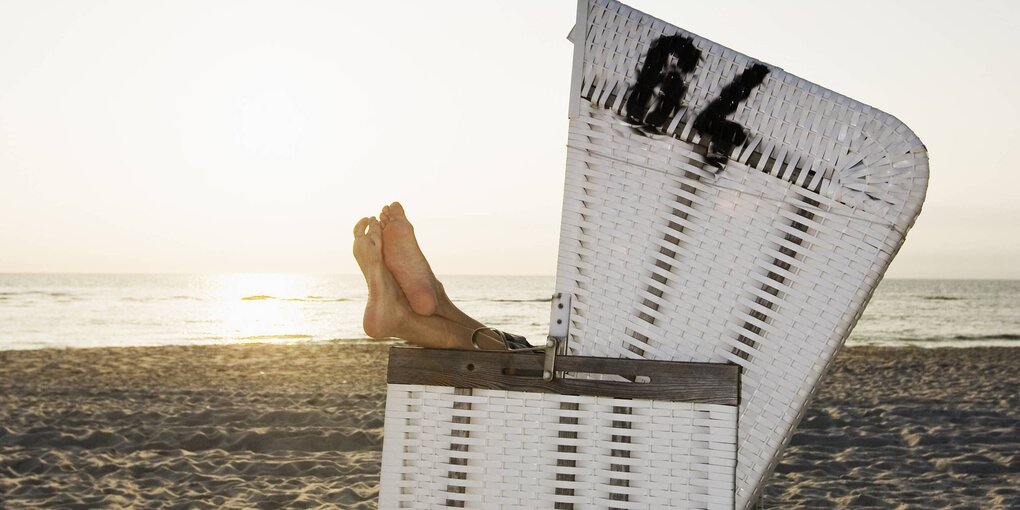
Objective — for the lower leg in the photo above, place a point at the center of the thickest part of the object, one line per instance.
(438, 332)
(447, 310)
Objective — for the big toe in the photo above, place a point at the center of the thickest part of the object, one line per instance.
(397, 211)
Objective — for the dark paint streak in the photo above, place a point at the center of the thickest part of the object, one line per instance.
(655, 72)
(658, 96)
(726, 134)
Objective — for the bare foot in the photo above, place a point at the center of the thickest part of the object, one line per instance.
(406, 262)
(387, 309)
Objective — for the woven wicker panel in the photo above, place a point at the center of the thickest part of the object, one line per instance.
(520, 450)
(766, 259)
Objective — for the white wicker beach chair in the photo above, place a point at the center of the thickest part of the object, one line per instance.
(717, 211)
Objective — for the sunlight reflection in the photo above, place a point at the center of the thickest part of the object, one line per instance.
(260, 306)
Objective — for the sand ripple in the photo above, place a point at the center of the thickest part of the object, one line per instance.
(908, 428)
(255, 427)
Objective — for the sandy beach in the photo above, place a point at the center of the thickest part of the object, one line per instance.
(300, 426)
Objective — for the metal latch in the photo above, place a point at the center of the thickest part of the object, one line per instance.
(551, 349)
(556, 342)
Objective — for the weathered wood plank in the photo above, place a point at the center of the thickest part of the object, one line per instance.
(708, 383)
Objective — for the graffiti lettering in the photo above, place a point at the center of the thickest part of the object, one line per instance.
(657, 96)
(660, 69)
(726, 134)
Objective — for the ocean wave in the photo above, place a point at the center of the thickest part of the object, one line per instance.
(306, 299)
(941, 298)
(962, 338)
(153, 299)
(276, 337)
(996, 336)
(37, 293)
(540, 300)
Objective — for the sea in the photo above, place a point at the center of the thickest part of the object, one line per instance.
(105, 310)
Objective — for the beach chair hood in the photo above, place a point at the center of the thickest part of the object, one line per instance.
(719, 209)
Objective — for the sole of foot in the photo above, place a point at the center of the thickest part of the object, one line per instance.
(405, 260)
(386, 307)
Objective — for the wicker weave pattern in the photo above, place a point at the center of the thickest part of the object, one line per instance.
(510, 449)
(767, 263)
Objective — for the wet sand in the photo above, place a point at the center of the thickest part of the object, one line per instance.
(300, 426)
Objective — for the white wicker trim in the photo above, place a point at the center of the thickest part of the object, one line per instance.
(500, 449)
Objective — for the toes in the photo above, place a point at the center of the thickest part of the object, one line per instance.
(384, 216)
(359, 228)
(374, 230)
(396, 211)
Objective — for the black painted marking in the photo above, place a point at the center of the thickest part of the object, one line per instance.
(658, 96)
(657, 72)
(672, 91)
(726, 134)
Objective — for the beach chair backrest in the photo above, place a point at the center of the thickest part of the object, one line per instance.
(719, 209)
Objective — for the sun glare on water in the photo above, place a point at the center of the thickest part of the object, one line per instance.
(261, 306)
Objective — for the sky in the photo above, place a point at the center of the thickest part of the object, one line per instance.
(249, 136)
